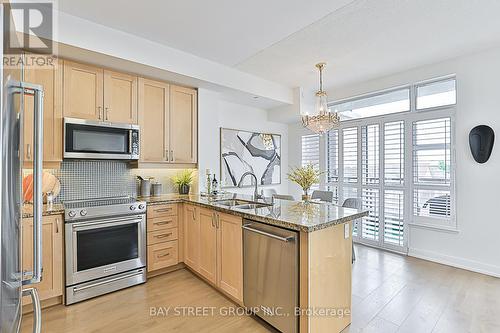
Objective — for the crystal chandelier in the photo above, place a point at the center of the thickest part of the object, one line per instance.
(323, 120)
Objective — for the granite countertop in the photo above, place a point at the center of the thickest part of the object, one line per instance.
(295, 215)
(56, 210)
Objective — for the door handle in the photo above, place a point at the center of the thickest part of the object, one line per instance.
(37, 92)
(100, 283)
(106, 114)
(28, 151)
(99, 111)
(37, 314)
(171, 156)
(283, 239)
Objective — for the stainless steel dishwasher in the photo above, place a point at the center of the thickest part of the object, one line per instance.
(271, 274)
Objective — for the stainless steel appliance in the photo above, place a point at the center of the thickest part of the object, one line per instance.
(105, 244)
(271, 274)
(11, 199)
(88, 139)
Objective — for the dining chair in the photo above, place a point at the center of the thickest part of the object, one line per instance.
(326, 196)
(354, 203)
(283, 197)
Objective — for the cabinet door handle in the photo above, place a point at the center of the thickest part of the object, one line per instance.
(99, 111)
(194, 214)
(164, 255)
(162, 223)
(160, 210)
(57, 225)
(164, 235)
(171, 156)
(167, 156)
(106, 113)
(218, 220)
(28, 151)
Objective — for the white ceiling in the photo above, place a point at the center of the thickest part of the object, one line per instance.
(372, 38)
(281, 40)
(225, 31)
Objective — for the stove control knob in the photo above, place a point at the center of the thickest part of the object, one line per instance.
(72, 213)
(132, 207)
(83, 212)
(141, 206)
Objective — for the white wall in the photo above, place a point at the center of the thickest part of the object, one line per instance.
(213, 113)
(474, 246)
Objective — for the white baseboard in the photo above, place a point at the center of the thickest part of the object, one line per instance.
(470, 265)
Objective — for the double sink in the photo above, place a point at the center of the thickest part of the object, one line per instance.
(241, 204)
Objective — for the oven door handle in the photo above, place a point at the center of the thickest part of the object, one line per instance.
(106, 223)
(100, 283)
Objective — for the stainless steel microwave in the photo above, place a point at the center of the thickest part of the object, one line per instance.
(88, 139)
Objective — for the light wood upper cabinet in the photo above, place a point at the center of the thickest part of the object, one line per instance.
(153, 120)
(120, 97)
(51, 79)
(191, 237)
(183, 124)
(208, 245)
(230, 255)
(52, 256)
(83, 91)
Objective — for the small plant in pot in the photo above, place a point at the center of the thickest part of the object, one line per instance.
(183, 181)
(305, 177)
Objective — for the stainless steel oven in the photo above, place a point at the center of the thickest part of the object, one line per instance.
(88, 139)
(104, 254)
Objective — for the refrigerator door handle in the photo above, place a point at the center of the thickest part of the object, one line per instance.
(37, 92)
(37, 313)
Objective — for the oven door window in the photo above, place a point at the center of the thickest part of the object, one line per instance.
(96, 139)
(110, 245)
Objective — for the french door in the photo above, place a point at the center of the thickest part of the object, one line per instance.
(367, 161)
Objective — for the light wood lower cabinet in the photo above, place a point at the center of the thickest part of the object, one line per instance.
(230, 255)
(214, 248)
(208, 245)
(162, 236)
(191, 237)
(52, 256)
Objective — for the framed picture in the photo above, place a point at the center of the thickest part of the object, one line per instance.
(242, 151)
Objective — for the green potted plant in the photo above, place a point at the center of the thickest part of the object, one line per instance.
(305, 177)
(183, 181)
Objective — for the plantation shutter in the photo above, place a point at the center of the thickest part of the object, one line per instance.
(394, 153)
(310, 153)
(432, 168)
(350, 154)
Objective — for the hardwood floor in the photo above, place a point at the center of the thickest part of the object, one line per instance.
(391, 293)
(394, 293)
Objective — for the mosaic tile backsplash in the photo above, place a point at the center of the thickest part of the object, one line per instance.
(86, 179)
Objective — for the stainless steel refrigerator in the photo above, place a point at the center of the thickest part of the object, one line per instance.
(11, 150)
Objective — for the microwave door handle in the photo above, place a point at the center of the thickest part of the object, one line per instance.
(130, 142)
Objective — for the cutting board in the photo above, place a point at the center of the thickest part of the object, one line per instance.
(50, 183)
